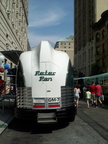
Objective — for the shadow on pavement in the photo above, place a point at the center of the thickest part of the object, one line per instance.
(33, 127)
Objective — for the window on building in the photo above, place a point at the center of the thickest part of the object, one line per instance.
(16, 3)
(97, 50)
(20, 11)
(103, 62)
(89, 68)
(10, 65)
(7, 35)
(79, 60)
(13, 2)
(103, 49)
(7, 4)
(16, 14)
(103, 34)
(84, 56)
(97, 61)
(91, 53)
(8, 8)
(85, 70)
(5, 61)
(97, 36)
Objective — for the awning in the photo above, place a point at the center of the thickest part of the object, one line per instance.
(12, 55)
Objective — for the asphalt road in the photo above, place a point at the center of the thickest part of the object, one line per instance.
(89, 127)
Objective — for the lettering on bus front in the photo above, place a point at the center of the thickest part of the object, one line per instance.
(43, 74)
(45, 79)
(52, 100)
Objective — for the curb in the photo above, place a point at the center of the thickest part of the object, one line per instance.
(5, 124)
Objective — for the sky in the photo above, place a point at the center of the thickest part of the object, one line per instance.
(50, 20)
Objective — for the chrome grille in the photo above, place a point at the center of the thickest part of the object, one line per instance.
(67, 96)
(24, 97)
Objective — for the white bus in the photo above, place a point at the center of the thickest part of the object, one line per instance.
(45, 85)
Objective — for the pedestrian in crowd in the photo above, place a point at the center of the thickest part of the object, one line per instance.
(77, 91)
(92, 90)
(2, 85)
(88, 97)
(81, 91)
(84, 92)
(98, 93)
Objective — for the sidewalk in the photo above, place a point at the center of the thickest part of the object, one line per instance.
(95, 117)
(6, 115)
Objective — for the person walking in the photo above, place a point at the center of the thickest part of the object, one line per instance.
(98, 94)
(84, 92)
(88, 97)
(92, 90)
(77, 96)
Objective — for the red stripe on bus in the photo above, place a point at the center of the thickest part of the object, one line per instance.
(39, 106)
(50, 106)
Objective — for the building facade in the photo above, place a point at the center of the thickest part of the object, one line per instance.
(86, 14)
(13, 25)
(66, 45)
(100, 29)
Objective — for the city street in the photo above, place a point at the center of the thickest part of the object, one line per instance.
(90, 126)
(51, 52)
